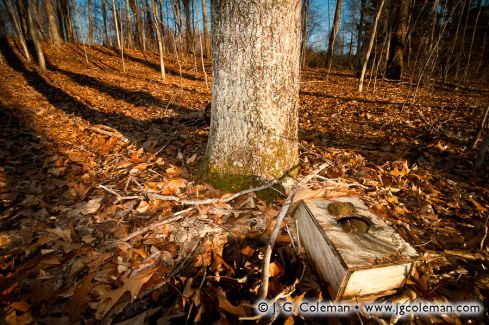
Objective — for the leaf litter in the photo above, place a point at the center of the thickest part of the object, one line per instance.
(87, 151)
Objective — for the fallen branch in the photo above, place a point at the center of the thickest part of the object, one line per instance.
(119, 197)
(276, 228)
(210, 201)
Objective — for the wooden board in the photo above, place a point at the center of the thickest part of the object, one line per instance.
(353, 264)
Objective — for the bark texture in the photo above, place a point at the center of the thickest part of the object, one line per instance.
(255, 92)
(54, 33)
(395, 63)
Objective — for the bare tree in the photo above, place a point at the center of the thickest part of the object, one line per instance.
(35, 37)
(254, 125)
(90, 22)
(15, 16)
(206, 32)
(53, 27)
(116, 25)
(104, 17)
(360, 27)
(395, 63)
(332, 35)
(160, 38)
(370, 45)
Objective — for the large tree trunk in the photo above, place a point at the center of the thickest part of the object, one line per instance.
(358, 55)
(332, 35)
(54, 33)
(395, 63)
(207, 50)
(254, 124)
(370, 46)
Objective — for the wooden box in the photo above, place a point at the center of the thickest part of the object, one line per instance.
(355, 253)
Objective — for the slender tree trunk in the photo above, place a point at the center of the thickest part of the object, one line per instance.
(160, 40)
(90, 22)
(122, 39)
(332, 35)
(462, 40)
(304, 31)
(148, 22)
(54, 34)
(254, 123)
(67, 20)
(207, 49)
(370, 46)
(137, 22)
(129, 33)
(479, 8)
(358, 57)
(14, 15)
(177, 13)
(104, 16)
(396, 56)
(188, 25)
(35, 37)
(116, 25)
(350, 46)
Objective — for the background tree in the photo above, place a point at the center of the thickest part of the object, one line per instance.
(255, 90)
(332, 35)
(396, 54)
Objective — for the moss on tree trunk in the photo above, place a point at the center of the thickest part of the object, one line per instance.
(255, 91)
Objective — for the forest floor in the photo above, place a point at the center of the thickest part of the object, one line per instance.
(84, 145)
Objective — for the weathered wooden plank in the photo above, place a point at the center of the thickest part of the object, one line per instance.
(352, 249)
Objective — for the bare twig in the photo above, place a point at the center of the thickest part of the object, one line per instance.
(276, 229)
(483, 241)
(174, 217)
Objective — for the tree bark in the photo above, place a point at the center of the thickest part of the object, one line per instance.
(256, 71)
(370, 46)
(188, 25)
(14, 15)
(207, 50)
(129, 33)
(35, 37)
(358, 55)
(90, 22)
(396, 56)
(66, 14)
(54, 33)
(104, 16)
(332, 35)
(116, 25)
(304, 31)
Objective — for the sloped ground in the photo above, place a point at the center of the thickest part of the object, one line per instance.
(84, 146)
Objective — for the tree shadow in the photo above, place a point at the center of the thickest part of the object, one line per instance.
(149, 64)
(134, 97)
(19, 134)
(22, 156)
